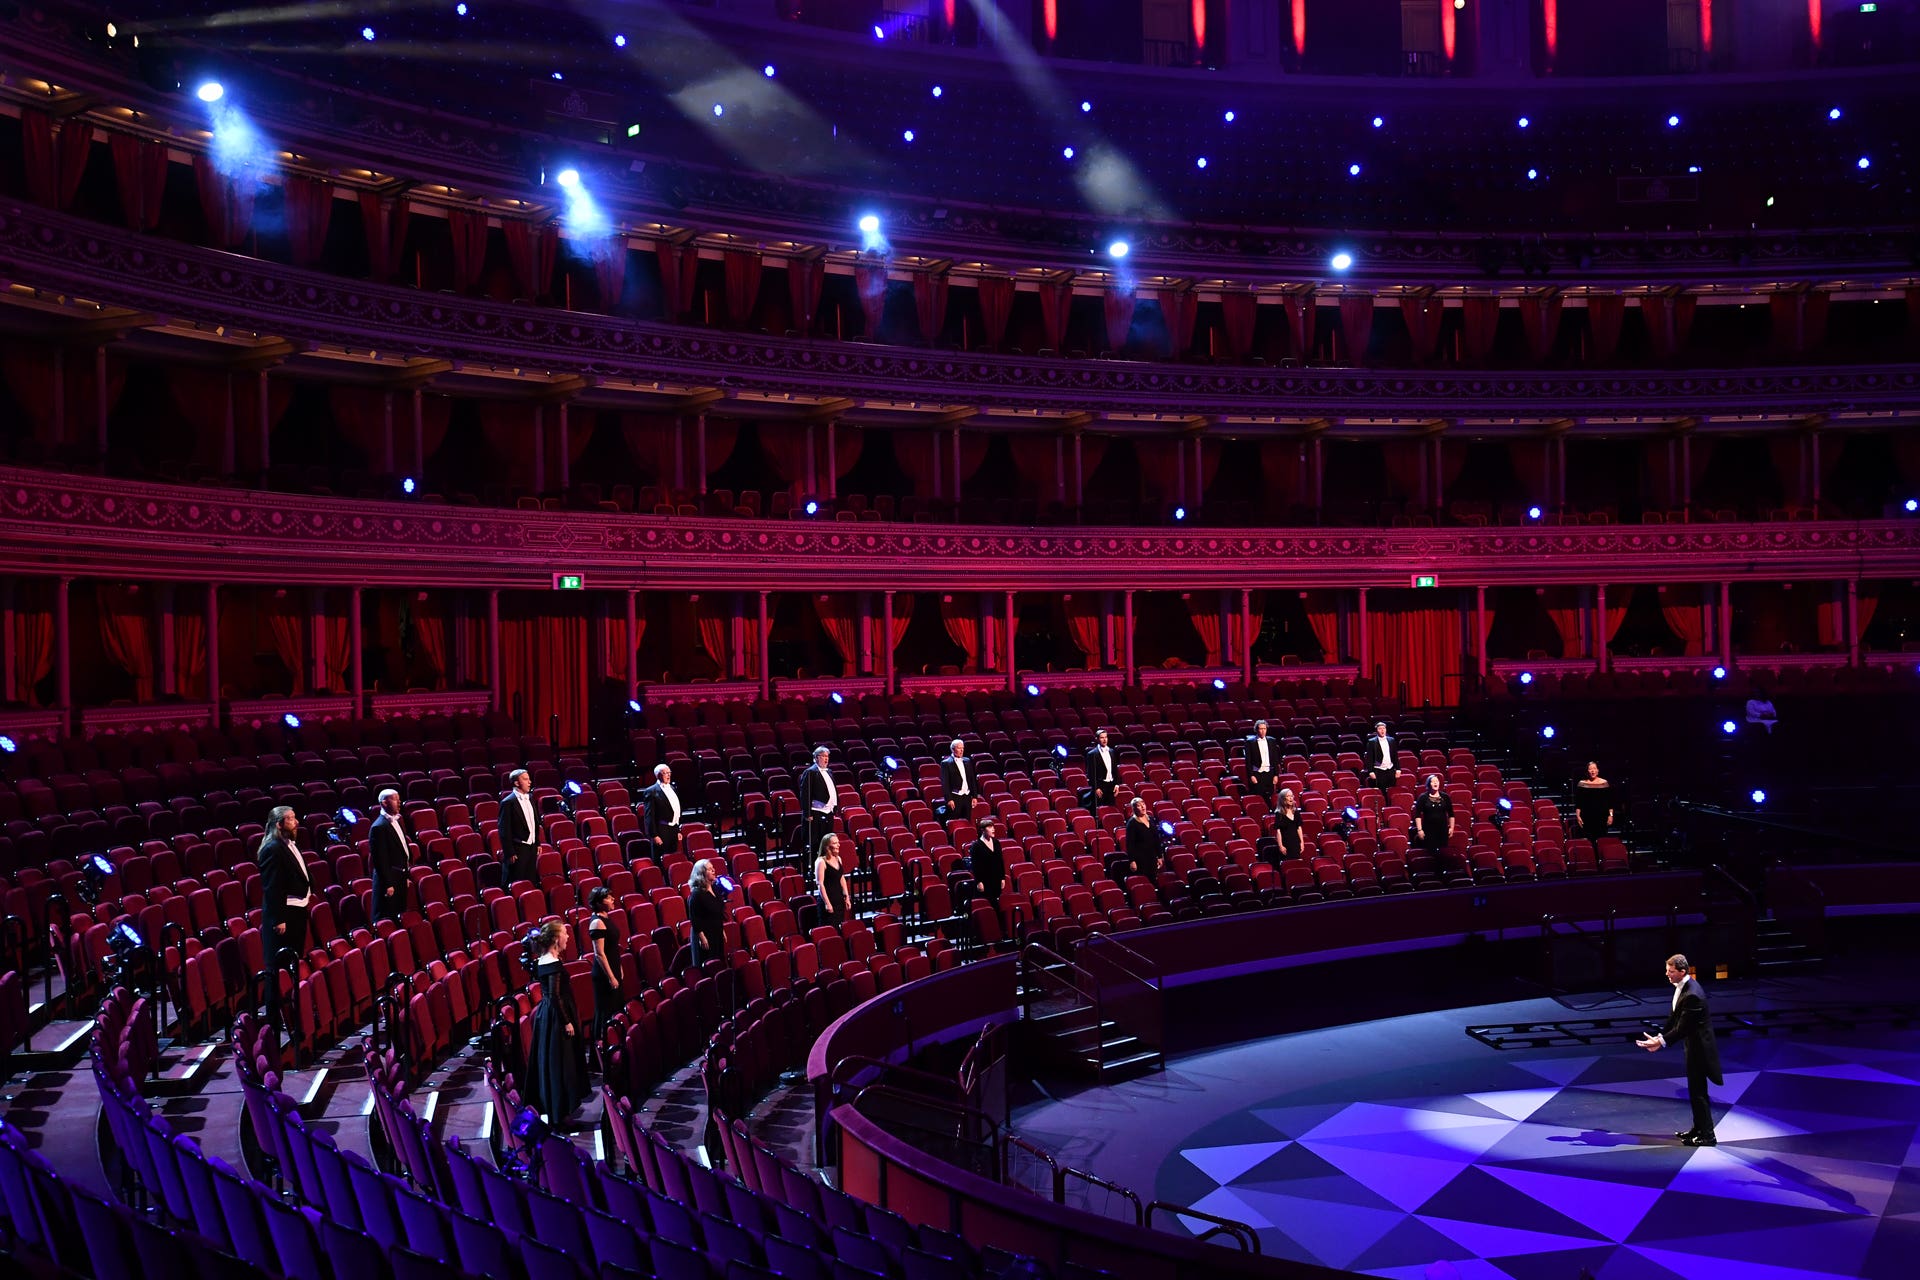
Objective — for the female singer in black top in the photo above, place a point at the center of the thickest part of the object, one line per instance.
(1433, 816)
(1286, 824)
(1144, 843)
(708, 916)
(1593, 801)
(830, 884)
(553, 1086)
(606, 983)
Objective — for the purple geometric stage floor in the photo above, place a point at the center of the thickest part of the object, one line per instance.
(1386, 1147)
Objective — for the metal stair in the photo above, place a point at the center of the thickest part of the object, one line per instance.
(1062, 1002)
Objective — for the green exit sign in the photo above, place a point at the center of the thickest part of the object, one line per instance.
(1426, 579)
(1869, 8)
(569, 581)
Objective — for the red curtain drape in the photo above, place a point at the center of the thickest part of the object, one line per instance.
(126, 633)
(508, 428)
(1117, 307)
(287, 626)
(54, 163)
(961, 617)
(227, 202)
(1299, 309)
(1056, 306)
(1405, 470)
(430, 635)
(741, 267)
(806, 277)
(203, 397)
(1540, 321)
(1686, 617)
(848, 442)
(870, 281)
(543, 670)
(1799, 321)
(840, 621)
(1080, 616)
(712, 619)
(1618, 600)
(649, 439)
(1417, 647)
(1256, 614)
(140, 176)
(1282, 473)
(339, 649)
(1606, 312)
(1423, 317)
(1356, 325)
(384, 222)
(679, 267)
(469, 230)
(1669, 322)
(881, 642)
(785, 446)
(609, 260)
(920, 456)
(309, 203)
(33, 376)
(616, 645)
(1563, 607)
(360, 415)
(1479, 321)
(930, 303)
(1162, 472)
(33, 638)
(1034, 457)
(531, 250)
(1237, 314)
(1203, 611)
(996, 305)
(1180, 308)
(190, 645)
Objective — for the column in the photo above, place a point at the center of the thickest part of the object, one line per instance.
(63, 651)
(213, 648)
(1480, 630)
(813, 478)
(1853, 622)
(1180, 472)
(419, 435)
(736, 638)
(9, 674)
(1008, 620)
(989, 644)
(1319, 476)
(457, 653)
(1060, 470)
(1199, 476)
(1560, 472)
(700, 452)
(1811, 488)
(357, 664)
(169, 673)
(229, 453)
(1673, 473)
(633, 647)
(1362, 648)
(493, 649)
(1600, 627)
(1127, 637)
(60, 395)
(1108, 654)
(833, 459)
(886, 637)
(100, 399)
(1726, 624)
(956, 470)
(680, 453)
(317, 629)
(386, 434)
(1686, 471)
(565, 452)
(864, 644)
(539, 448)
(1439, 474)
(1223, 613)
(1079, 475)
(265, 406)
(1246, 636)
(766, 655)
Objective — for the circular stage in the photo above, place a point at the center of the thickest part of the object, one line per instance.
(1385, 1147)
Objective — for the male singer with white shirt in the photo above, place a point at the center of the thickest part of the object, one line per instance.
(1380, 759)
(519, 831)
(1260, 771)
(1688, 1023)
(1102, 777)
(663, 812)
(957, 779)
(286, 892)
(819, 798)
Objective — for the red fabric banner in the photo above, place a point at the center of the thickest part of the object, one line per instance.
(1238, 312)
(1417, 647)
(469, 230)
(531, 251)
(930, 303)
(309, 213)
(226, 201)
(1056, 306)
(1479, 320)
(1423, 317)
(1117, 307)
(384, 222)
(806, 277)
(1180, 308)
(996, 305)
(741, 268)
(140, 175)
(1356, 325)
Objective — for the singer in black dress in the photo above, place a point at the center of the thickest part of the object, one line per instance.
(1286, 825)
(602, 946)
(830, 881)
(553, 1084)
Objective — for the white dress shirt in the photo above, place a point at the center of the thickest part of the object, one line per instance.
(301, 901)
(526, 807)
(673, 801)
(960, 764)
(833, 793)
(1106, 760)
(1266, 761)
(1383, 752)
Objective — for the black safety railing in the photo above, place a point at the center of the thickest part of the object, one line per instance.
(1238, 1232)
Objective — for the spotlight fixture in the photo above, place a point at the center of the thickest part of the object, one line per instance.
(1066, 153)
(1379, 122)
(1353, 170)
(1179, 513)
(1200, 162)
(812, 508)
(1533, 513)
(291, 720)
(1719, 673)
(1229, 117)
(346, 816)
(937, 91)
(1166, 828)
(7, 744)
(1033, 690)
(838, 698)
(633, 705)
(573, 788)
(1086, 106)
(1524, 122)
(1864, 163)
(878, 33)
(1219, 683)
(869, 224)
(1547, 732)
(1911, 505)
(619, 42)
(891, 762)
(719, 110)
(1526, 677)
(568, 178)
(210, 91)
(125, 942)
(1758, 796)
(1119, 249)
(366, 33)
(460, 10)
(530, 1127)
(906, 135)
(1060, 750)
(407, 485)
(1673, 122)
(1532, 174)
(1729, 727)
(767, 71)
(1341, 260)
(1833, 113)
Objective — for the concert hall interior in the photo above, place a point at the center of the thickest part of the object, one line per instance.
(959, 639)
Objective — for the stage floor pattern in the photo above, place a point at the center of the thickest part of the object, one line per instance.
(1385, 1147)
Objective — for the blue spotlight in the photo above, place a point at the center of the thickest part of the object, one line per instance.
(1504, 805)
(366, 33)
(1833, 113)
(1066, 153)
(839, 698)
(574, 788)
(407, 485)
(813, 508)
(1526, 677)
(768, 71)
(1532, 174)
(1200, 162)
(1524, 122)
(719, 110)
(558, 76)
(619, 42)
(878, 33)
(1033, 690)
(1757, 796)
(1547, 732)
(1059, 749)
(7, 744)
(210, 91)
(1218, 683)
(1086, 106)
(633, 705)
(906, 135)
(347, 817)
(1533, 513)
(1379, 123)
(1341, 260)
(1229, 117)
(1673, 122)
(1166, 828)
(1353, 170)
(1719, 673)
(291, 720)
(568, 178)
(1119, 249)
(892, 763)
(1864, 162)
(1179, 513)
(460, 9)
(937, 91)
(1728, 726)
(1911, 505)
(869, 224)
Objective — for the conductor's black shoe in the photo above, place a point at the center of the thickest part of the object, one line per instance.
(1702, 1140)
(1684, 1134)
